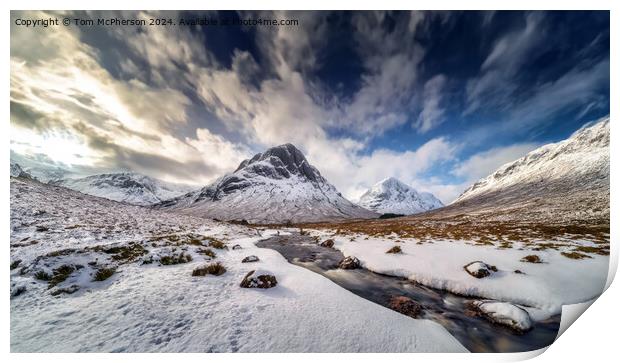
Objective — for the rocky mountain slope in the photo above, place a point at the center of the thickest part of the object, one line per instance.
(393, 196)
(18, 172)
(276, 186)
(131, 188)
(568, 180)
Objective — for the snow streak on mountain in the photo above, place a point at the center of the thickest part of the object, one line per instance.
(131, 188)
(393, 196)
(276, 186)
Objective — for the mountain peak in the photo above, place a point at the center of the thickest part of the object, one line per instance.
(281, 162)
(392, 182)
(391, 195)
(276, 186)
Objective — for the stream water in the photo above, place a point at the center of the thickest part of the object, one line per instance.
(475, 333)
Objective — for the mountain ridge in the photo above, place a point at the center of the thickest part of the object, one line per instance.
(128, 187)
(566, 181)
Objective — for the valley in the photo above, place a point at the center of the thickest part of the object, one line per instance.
(272, 258)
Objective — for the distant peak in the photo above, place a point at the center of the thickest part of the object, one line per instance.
(392, 183)
(390, 180)
(391, 195)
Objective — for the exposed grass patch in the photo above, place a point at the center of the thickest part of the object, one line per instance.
(597, 250)
(60, 274)
(531, 259)
(575, 255)
(461, 227)
(195, 241)
(128, 253)
(216, 243)
(206, 251)
(42, 275)
(104, 273)
(175, 259)
(505, 245)
(216, 269)
(395, 249)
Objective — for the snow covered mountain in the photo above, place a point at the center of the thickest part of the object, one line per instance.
(276, 186)
(131, 188)
(393, 196)
(48, 174)
(18, 172)
(568, 179)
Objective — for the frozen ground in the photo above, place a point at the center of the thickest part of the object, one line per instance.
(541, 287)
(155, 307)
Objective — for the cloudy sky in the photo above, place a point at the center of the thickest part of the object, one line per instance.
(436, 99)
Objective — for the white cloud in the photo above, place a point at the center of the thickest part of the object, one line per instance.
(495, 82)
(432, 113)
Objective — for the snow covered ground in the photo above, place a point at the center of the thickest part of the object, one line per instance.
(542, 288)
(154, 307)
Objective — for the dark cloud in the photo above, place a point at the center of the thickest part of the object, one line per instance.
(23, 115)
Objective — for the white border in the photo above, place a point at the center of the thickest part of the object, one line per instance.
(593, 336)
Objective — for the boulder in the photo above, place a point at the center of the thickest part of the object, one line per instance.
(479, 269)
(329, 243)
(250, 258)
(236, 247)
(504, 313)
(259, 279)
(349, 263)
(405, 305)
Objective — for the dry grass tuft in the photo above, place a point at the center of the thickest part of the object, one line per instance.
(395, 249)
(215, 269)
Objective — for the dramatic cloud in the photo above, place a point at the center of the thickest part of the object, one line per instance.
(507, 56)
(365, 95)
(83, 115)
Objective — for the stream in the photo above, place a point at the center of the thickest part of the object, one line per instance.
(475, 333)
